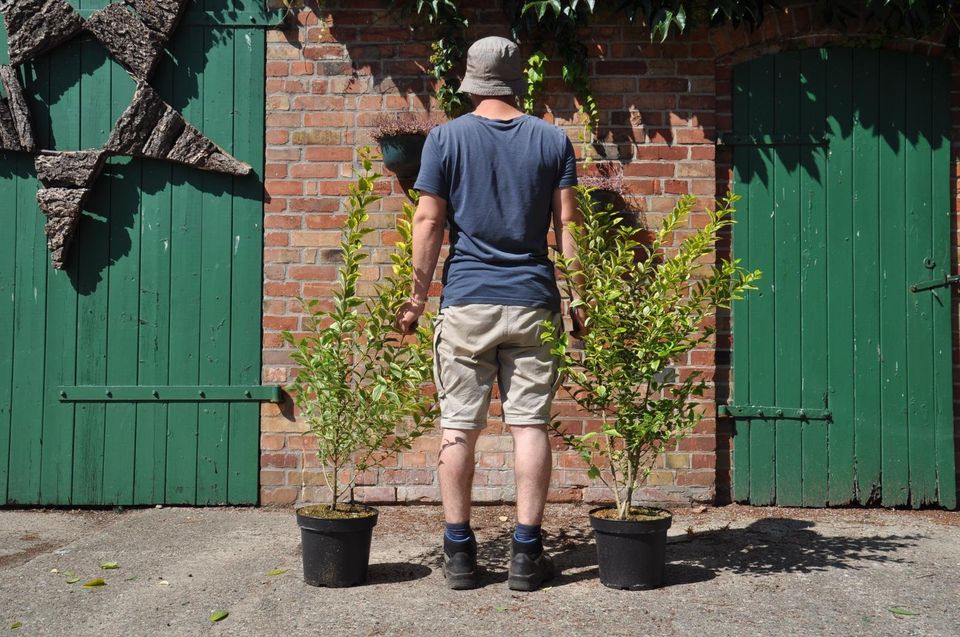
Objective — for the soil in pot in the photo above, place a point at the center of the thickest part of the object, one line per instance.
(401, 154)
(336, 544)
(631, 553)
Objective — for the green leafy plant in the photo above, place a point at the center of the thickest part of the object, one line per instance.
(536, 74)
(647, 307)
(361, 385)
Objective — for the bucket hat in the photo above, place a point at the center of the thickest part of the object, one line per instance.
(494, 67)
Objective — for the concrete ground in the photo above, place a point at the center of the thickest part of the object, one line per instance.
(732, 571)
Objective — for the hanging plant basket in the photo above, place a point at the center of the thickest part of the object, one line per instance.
(401, 137)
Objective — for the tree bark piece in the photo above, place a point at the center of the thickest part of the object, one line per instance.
(70, 169)
(62, 208)
(151, 128)
(17, 105)
(37, 26)
(160, 15)
(127, 39)
(9, 139)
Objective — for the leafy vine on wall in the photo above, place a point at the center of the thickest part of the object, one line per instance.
(560, 22)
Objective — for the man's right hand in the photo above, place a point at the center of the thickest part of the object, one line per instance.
(579, 317)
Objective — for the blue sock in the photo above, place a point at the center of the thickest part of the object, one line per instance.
(458, 532)
(527, 533)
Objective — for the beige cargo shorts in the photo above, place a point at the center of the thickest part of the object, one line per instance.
(477, 344)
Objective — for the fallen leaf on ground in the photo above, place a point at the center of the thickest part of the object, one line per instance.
(219, 615)
(164, 582)
(109, 565)
(94, 582)
(15, 625)
(71, 579)
(53, 570)
(902, 612)
(502, 518)
(277, 571)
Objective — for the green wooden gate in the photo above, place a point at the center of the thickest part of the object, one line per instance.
(161, 293)
(842, 359)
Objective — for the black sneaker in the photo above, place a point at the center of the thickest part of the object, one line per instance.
(460, 564)
(530, 566)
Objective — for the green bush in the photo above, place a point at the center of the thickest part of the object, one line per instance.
(361, 385)
(647, 306)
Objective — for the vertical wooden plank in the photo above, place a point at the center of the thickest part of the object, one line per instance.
(918, 179)
(247, 269)
(65, 74)
(943, 299)
(11, 169)
(893, 282)
(840, 274)
(30, 272)
(150, 455)
(122, 311)
(813, 275)
(762, 368)
(866, 267)
(215, 289)
(788, 302)
(185, 271)
(93, 239)
(741, 309)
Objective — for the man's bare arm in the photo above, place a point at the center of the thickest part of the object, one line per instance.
(429, 222)
(567, 213)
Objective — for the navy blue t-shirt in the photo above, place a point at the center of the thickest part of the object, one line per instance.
(498, 177)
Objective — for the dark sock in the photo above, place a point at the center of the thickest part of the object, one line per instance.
(527, 534)
(458, 532)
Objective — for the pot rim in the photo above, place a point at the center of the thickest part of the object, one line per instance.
(299, 511)
(630, 526)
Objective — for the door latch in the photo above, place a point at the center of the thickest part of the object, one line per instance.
(936, 283)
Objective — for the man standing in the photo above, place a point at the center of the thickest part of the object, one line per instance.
(498, 177)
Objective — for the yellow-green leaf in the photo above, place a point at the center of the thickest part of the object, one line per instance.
(94, 583)
(109, 565)
(15, 625)
(277, 571)
(902, 612)
(219, 615)
(71, 579)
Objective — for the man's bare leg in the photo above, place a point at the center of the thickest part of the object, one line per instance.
(456, 466)
(532, 466)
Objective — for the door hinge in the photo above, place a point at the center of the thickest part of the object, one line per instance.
(774, 413)
(936, 283)
(169, 393)
(734, 139)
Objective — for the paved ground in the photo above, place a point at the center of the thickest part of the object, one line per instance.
(742, 571)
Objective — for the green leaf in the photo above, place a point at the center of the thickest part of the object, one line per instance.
(109, 565)
(219, 615)
(15, 625)
(277, 571)
(94, 583)
(71, 579)
(902, 612)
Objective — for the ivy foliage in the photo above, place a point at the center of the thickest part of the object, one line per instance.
(361, 386)
(647, 306)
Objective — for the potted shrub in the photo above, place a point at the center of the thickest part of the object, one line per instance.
(647, 306)
(360, 389)
(401, 137)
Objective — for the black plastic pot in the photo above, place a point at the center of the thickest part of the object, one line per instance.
(401, 154)
(336, 553)
(603, 199)
(631, 554)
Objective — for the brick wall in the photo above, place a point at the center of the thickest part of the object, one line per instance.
(330, 73)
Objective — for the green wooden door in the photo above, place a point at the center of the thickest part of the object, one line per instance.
(842, 373)
(162, 286)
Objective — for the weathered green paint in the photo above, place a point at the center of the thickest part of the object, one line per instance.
(162, 287)
(841, 231)
(147, 393)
